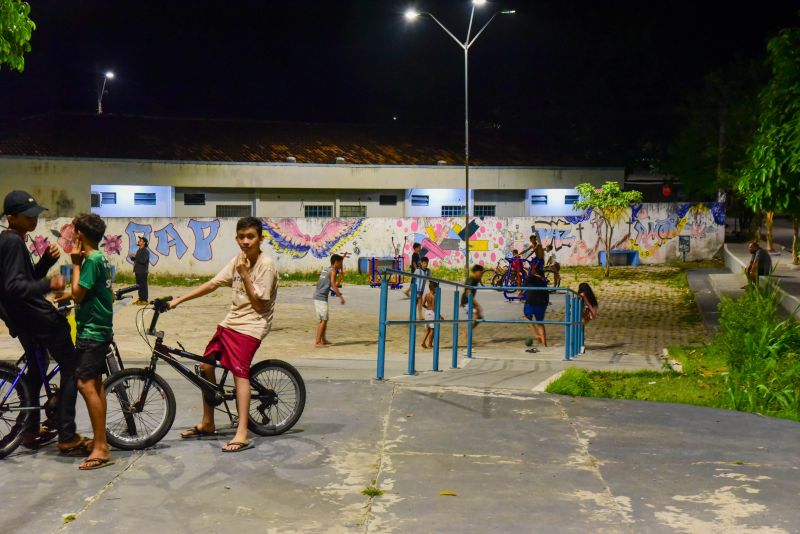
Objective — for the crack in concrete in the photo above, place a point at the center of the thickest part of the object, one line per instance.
(94, 498)
(381, 456)
(594, 467)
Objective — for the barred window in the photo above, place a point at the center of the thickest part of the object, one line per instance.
(352, 211)
(144, 199)
(234, 210)
(485, 211)
(319, 211)
(109, 198)
(453, 211)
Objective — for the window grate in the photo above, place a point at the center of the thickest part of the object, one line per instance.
(453, 211)
(109, 198)
(571, 199)
(234, 210)
(352, 211)
(420, 200)
(144, 199)
(319, 211)
(485, 211)
(388, 200)
(539, 200)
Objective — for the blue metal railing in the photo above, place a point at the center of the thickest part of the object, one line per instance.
(572, 323)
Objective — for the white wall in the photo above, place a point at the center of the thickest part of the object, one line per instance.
(437, 198)
(214, 197)
(125, 206)
(555, 203)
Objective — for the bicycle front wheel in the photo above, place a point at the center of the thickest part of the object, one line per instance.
(135, 418)
(278, 396)
(13, 418)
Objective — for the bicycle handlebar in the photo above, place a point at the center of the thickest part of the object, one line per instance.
(160, 306)
(125, 290)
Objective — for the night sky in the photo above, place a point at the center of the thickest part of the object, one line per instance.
(601, 77)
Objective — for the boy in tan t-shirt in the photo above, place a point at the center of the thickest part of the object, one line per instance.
(254, 280)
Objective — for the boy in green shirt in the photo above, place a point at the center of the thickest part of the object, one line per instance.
(91, 291)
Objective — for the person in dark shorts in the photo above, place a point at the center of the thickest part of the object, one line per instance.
(474, 280)
(36, 323)
(536, 302)
(141, 266)
(760, 263)
(91, 291)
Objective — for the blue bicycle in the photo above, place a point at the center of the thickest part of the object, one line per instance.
(18, 402)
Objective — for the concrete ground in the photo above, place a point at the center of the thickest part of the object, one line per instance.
(517, 460)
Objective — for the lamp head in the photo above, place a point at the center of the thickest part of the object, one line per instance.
(411, 14)
(478, 3)
(110, 75)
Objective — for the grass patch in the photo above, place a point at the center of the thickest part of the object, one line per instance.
(372, 491)
(164, 279)
(753, 365)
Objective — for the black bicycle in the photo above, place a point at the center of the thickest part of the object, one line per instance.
(141, 404)
(17, 401)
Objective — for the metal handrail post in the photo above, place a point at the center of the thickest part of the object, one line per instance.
(470, 312)
(567, 331)
(454, 364)
(382, 326)
(412, 328)
(575, 318)
(581, 327)
(437, 308)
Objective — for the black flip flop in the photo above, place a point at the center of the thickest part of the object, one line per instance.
(99, 463)
(242, 446)
(196, 433)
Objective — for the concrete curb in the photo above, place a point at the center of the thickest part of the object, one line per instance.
(789, 302)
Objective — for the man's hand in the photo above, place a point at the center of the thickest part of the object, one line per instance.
(64, 297)
(58, 283)
(242, 264)
(52, 251)
(341, 299)
(173, 304)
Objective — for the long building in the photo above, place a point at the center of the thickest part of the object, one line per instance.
(121, 166)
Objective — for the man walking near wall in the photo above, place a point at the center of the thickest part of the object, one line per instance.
(141, 265)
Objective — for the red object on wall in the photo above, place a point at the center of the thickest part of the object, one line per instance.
(666, 190)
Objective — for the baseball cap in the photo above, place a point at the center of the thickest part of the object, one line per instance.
(21, 203)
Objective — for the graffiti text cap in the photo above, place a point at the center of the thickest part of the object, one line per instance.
(21, 203)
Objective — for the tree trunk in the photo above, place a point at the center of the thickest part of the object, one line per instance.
(608, 248)
(769, 220)
(795, 260)
(757, 219)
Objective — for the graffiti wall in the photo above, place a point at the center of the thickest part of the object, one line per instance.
(657, 232)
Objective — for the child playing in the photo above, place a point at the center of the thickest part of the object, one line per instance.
(326, 284)
(475, 275)
(551, 265)
(91, 291)
(536, 302)
(414, 265)
(428, 314)
(254, 280)
(422, 271)
(589, 305)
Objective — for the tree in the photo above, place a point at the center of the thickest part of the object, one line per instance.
(15, 33)
(771, 179)
(609, 204)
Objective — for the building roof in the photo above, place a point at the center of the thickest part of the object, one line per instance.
(158, 138)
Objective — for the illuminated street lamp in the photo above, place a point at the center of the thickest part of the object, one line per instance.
(412, 15)
(108, 76)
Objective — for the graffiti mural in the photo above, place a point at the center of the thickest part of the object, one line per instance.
(204, 246)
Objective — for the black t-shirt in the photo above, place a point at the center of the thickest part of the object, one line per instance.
(535, 297)
(414, 262)
(764, 261)
(23, 287)
(465, 295)
(141, 261)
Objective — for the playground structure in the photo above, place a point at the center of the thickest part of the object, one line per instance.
(376, 265)
(572, 323)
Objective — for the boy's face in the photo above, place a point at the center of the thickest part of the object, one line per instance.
(338, 264)
(22, 223)
(249, 239)
(424, 264)
(476, 275)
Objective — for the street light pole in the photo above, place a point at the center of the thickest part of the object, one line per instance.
(108, 76)
(412, 15)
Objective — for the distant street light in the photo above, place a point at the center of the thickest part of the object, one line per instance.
(412, 15)
(108, 76)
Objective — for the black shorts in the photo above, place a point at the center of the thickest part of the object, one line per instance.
(91, 358)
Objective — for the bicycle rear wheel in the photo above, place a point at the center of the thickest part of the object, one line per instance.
(278, 396)
(13, 421)
(135, 420)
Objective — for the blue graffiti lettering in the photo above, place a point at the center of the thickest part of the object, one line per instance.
(134, 231)
(168, 237)
(202, 241)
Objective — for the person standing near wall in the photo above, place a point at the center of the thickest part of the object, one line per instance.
(141, 266)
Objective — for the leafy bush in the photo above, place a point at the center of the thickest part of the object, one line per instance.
(762, 353)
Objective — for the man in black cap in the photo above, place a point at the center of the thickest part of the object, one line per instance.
(35, 320)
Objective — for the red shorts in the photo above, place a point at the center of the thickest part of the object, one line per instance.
(235, 351)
